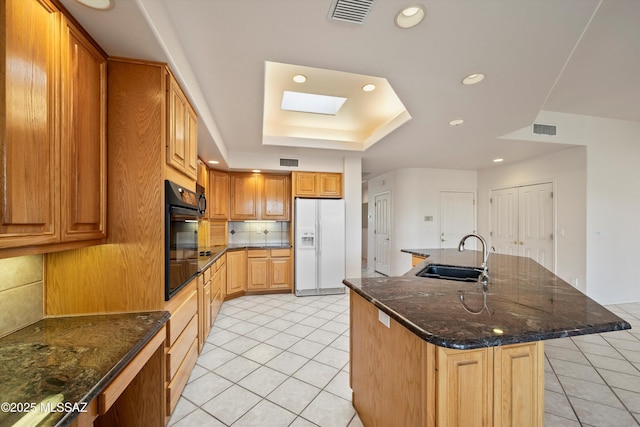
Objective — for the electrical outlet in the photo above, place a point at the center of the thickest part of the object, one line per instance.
(384, 318)
(259, 230)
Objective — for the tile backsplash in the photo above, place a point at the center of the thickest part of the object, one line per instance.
(21, 292)
(259, 233)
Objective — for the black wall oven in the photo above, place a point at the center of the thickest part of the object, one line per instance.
(182, 210)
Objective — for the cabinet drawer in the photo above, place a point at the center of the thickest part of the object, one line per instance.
(176, 386)
(181, 316)
(280, 252)
(221, 261)
(179, 350)
(207, 273)
(257, 253)
(111, 393)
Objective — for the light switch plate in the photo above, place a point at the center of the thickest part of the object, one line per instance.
(384, 318)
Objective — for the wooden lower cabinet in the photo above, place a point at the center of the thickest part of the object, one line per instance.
(400, 379)
(236, 273)
(181, 342)
(268, 269)
(416, 259)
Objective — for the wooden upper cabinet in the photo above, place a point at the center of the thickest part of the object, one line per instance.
(317, 184)
(29, 182)
(330, 185)
(245, 189)
(218, 195)
(305, 184)
(259, 197)
(53, 92)
(182, 143)
(276, 197)
(203, 175)
(83, 160)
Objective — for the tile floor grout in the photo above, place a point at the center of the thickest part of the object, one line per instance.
(251, 374)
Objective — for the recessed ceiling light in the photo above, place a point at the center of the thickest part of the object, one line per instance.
(214, 162)
(472, 79)
(299, 78)
(311, 103)
(410, 16)
(498, 331)
(498, 160)
(256, 171)
(456, 122)
(98, 4)
(369, 87)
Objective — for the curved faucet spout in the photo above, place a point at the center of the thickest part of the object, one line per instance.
(485, 254)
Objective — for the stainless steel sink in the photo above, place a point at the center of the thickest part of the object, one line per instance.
(451, 272)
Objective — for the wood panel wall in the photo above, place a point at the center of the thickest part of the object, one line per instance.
(126, 274)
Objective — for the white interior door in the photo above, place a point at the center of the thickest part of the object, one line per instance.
(522, 222)
(535, 208)
(457, 218)
(382, 232)
(504, 221)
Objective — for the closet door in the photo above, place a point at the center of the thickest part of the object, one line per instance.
(535, 210)
(522, 222)
(504, 221)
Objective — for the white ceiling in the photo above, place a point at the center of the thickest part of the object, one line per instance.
(571, 56)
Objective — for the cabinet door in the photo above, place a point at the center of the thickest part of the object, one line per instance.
(245, 196)
(218, 198)
(206, 322)
(191, 163)
(306, 184)
(182, 133)
(275, 197)
(280, 273)
(465, 387)
(236, 272)
(258, 273)
(519, 385)
(203, 176)
(83, 154)
(29, 180)
(330, 185)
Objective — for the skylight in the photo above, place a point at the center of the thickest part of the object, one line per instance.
(311, 103)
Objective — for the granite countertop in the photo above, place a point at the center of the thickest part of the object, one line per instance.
(417, 252)
(524, 302)
(73, 356)
(209, 255)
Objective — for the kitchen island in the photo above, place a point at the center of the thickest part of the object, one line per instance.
(433, 352)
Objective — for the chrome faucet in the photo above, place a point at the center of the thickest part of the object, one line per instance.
(484, 277)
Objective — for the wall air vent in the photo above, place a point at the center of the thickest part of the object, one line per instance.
(541, 129)
(353, 11)
(289, 163)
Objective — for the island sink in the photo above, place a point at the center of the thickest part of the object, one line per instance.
(450, 272)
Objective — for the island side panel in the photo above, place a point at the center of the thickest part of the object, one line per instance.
(392, 371)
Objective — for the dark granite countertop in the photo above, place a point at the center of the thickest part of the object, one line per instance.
(417, 252)
(73, 356)
(211, 254)
(525, 302)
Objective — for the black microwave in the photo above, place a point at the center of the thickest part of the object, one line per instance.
(182, 211)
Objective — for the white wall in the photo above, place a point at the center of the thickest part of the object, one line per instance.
(353, 222)
(567, 170)
(415, 193)
(613, 200)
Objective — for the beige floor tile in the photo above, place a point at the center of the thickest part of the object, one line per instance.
(328, 410)
(293, 395)
(231, 404)
(596, 414)
(266, 414)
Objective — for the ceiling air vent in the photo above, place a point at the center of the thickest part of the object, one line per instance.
(289, 163)
(541, 129)
(354, 11)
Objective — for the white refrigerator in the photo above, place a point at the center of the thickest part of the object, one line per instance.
(319, 246)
